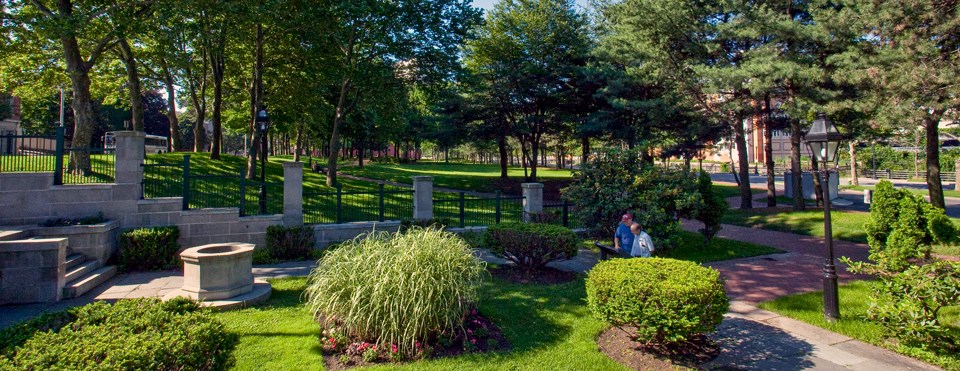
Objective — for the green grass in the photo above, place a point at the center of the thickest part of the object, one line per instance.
(922, 192)
(472, 177)
(549, 327)
(847, 225)
(692, 248)
(854, 301)
(728, 191)
(102, 167)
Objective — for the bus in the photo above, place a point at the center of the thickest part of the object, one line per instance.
(151, 143)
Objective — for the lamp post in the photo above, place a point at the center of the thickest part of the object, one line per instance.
(263, 124)
(824, 141)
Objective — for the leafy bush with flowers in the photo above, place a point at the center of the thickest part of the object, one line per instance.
(396, 292)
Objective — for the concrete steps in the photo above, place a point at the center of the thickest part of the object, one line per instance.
(74, 260)
(81, 270)
(88, 281)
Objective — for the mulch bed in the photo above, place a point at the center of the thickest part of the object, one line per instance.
(546, 276)
(617, 344)
(494, 341)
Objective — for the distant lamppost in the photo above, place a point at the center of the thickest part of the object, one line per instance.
(263, 125)
(824, 141)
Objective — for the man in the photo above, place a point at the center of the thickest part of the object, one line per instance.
(623, 238)
(642, 243)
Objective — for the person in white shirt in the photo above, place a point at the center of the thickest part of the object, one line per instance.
(642, 243)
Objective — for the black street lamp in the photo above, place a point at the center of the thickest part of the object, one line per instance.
(824, 141)
(263, 125)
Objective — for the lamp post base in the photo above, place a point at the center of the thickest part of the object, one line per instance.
(831, 301)
(263, 198)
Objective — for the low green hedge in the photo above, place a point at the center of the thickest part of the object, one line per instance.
(140, 334)
(667, 300)
(147, 249)
(531, 245)
(287, 244)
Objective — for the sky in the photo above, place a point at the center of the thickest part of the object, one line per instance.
(488, 4)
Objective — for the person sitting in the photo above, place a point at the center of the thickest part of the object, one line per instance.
(642, 243)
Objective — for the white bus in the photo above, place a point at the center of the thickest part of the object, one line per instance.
(151, 143)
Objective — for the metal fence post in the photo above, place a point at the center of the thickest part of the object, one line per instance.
(462, 214)
(382, 211)
(565, 218)
(243, 193)
(58, 161)
(186, 182)
(339, 203)
(497, 220)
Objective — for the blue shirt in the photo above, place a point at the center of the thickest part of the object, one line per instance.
(625, 236)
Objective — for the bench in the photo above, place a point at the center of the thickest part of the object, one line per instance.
(606, 251)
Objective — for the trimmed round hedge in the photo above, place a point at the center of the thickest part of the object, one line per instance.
(667, 300)
(136, 334)
(396, 289)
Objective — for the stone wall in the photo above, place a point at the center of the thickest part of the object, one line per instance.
(32, 270)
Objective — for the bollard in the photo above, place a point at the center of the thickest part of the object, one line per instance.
(867, 196)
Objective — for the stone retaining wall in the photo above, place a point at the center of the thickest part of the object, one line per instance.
(32, 271)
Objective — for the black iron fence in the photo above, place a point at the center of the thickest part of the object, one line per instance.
(478, 210)
(339, 206)
(70, 164)
(559, 213)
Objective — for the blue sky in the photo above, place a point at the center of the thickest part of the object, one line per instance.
(488, 4)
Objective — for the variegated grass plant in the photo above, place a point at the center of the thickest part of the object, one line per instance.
(396, 289)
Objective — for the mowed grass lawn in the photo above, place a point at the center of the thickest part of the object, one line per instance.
(692, 247)
(854, 302)
(847, 225)
(549, 328)
(472, 177)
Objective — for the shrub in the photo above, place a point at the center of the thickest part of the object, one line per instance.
(531, 246)
(147, 249)
(65, 222)
(612, 183)
(710, 211)
(439, 223)
(396, 289)
(903, 226)
(131, 334)
(667, 300)
(290, 243)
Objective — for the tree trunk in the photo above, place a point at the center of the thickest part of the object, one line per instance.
(81, 103)
(768, 156)
(133, 84)
(256, 103)
(502, 148)
(176, 140)
(534, 157)
(931, 126)
(299, 151)
(817, 185)
(218, 72)
(360, 153)
(584, 151)
(795, 137)
(854, 176)
(341, 111)
(746, 195)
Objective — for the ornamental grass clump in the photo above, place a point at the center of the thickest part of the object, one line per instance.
(396, 289)
(667, 300)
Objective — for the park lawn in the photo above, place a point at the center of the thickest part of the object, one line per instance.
(921, 192)
(847, 225)
(471, 177)
(549, 327)
(102, 167)
(727, 191)
(692, 247)
(854, 302)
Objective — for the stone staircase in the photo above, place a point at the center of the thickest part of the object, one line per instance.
(84, 275)
(80, 274)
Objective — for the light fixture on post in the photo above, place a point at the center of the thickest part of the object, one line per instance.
(263, 125)
(824, 142)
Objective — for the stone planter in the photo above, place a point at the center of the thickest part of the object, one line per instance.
(217, 271)
(94, 241)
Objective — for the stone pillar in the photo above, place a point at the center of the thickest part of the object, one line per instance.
(956, 169)
(532, 200)
(292, 194)
(422, 197)
(129, 157)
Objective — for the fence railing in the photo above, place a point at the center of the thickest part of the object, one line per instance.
(70, 164)
(471, 211)
(906, 174)
(341, 206)
(560, 213)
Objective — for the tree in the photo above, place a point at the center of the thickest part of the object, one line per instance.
(528, 53)
(912, 69)
(424, 34)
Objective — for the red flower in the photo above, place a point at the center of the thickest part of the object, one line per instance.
(393, 348)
